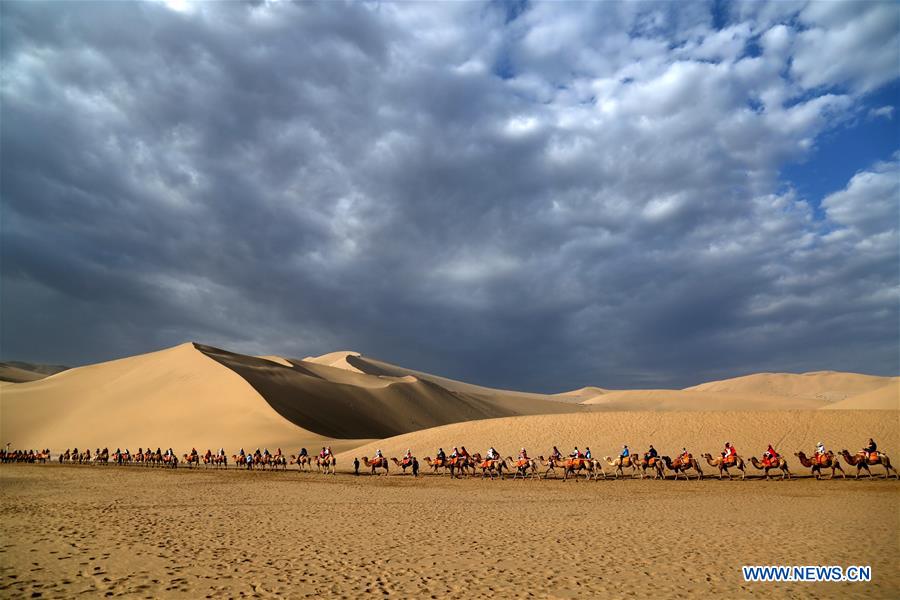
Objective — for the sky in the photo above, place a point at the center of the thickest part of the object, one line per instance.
(528, 195)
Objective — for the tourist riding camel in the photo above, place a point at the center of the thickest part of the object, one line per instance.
(870, 449)
(587, 453)
(556, 454)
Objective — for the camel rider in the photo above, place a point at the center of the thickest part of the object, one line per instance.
(556, 454)
(328, 452)
(820, 450)
(651, 453)
(523, 455)
(378, 454)
(241, 453)
(587, 453)
(575, 453)
(492, 454)
(684, 455)
(455, 452)
(625, 453)
(303, 452)
(871, 449)
(730, 454)
(441, 455)
(407, 458)
(463, 452)
(771, 454)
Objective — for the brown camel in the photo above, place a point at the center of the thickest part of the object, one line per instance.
(656, 464)
(861, 463)
(680, 466)
(403, 464)
(326, 465)
(524, 467)
(376, 463)
(491, 467)
(769, 464)
(820, 462)
(722, 466)
(192, 459)
(572, 466)
(304, 463)
(623, 463)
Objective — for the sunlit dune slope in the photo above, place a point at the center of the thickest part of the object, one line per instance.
(827, 386)
(176, 397)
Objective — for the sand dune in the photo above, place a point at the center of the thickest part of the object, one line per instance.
(605, 433)
(367, 399)
(177, 397)
(828, 386)
(690, 400)
(20, 372)
(883, 398)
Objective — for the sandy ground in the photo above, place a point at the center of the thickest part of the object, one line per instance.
(103, 531)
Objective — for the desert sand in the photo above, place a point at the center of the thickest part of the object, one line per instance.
(152, 533)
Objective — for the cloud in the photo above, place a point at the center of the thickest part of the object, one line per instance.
(548, 198)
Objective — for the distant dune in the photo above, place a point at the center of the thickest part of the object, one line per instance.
(20, 372)
(825, 386)
(690, 400)
(669, 432)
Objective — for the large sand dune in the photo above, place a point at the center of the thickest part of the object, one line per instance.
(369, 399)
(176, 397)
(669, 432)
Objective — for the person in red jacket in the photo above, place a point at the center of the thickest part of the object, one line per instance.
(730, 454)
(771, 455)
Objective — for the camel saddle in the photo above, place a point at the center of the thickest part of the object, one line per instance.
(770, 462)
(652, 461)
(821, 459)
(522, 463)
(486, 464)
(730, 460)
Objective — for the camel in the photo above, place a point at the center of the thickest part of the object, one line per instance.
(621, 463)
(653, 463)
(523, 466)
(191, 459)
(680, 466)
(452, 465)
(304, 463)
(569, 465)
(376, 463)
(403, 464)
(723, 467)
(489, 467)
(326, 465)
(860, 463)
(818, 463)
(768, 465)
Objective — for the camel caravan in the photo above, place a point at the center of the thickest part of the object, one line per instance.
(579, 464)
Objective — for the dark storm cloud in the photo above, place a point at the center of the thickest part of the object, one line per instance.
(545, 198)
